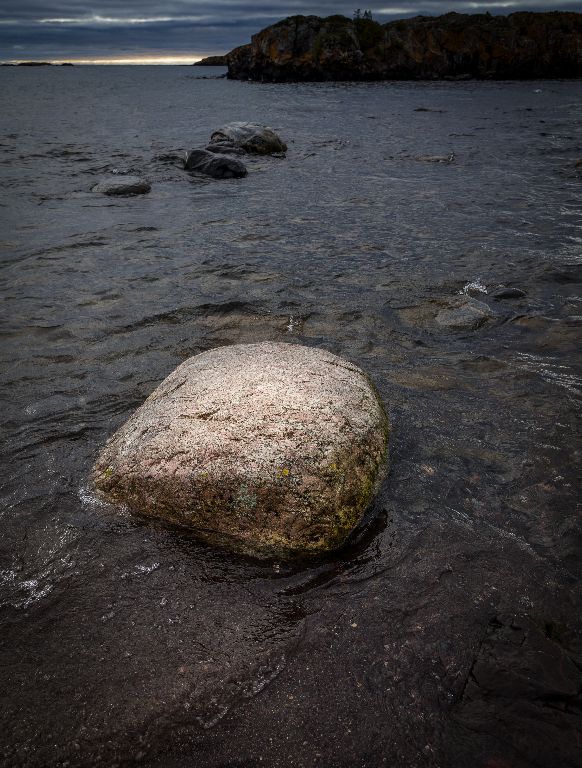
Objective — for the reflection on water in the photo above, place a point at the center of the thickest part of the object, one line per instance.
(124, 641)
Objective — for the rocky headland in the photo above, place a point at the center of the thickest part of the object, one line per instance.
(453, 46)
(211, 61)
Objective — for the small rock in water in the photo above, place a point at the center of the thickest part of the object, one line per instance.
(216, 165)
(578, 164)
(123, 185)
(508, 293)
(251, 137)
(464, 314)
(271, 449)
(436, 158)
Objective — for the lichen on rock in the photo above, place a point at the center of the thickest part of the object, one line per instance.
(272, 449)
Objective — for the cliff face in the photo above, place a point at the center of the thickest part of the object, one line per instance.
(520, 46)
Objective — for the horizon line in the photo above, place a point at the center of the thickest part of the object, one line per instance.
(117, 60)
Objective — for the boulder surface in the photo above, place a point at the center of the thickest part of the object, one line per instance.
(251, 137)
(272, 449)
(123, 185)
(218, 166)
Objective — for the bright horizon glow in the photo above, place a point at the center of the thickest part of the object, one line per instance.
(121, 20)
(191, 59)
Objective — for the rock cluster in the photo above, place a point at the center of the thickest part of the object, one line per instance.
(271, 449)
(218, 160)
(453, 46)
(233, 139)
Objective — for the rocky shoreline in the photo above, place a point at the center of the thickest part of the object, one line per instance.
(453, 46)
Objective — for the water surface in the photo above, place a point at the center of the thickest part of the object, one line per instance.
(447, 632)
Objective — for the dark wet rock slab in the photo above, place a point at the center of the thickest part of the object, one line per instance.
(522, 701)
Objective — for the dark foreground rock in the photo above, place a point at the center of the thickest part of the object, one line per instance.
(218, 166)
(123, 185)
(271, 449)
(250, 137)
(524, 686)
(453, 46)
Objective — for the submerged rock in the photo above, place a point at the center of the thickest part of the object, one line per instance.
(464, 314)
(450, 158)
(271, 449)
(505, 292)
(251, 137)
(216, 165)
(123, 185)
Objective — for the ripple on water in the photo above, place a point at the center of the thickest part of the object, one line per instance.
(128, 640)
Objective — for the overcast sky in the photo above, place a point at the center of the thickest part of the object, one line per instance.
(96, 29)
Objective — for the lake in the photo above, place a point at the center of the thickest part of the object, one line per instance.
(447, 631)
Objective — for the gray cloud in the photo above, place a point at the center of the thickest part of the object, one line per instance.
(80, 29)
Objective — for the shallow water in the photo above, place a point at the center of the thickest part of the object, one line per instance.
(447, 632)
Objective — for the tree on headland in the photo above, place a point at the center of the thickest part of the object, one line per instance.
(359, 14)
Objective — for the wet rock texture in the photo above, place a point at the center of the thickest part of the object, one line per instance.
(525, 676)
(453, 46)
(464, 313)
(272, 449)
(455, 313)
(123, 185)
(250, 137)
(218, 166)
